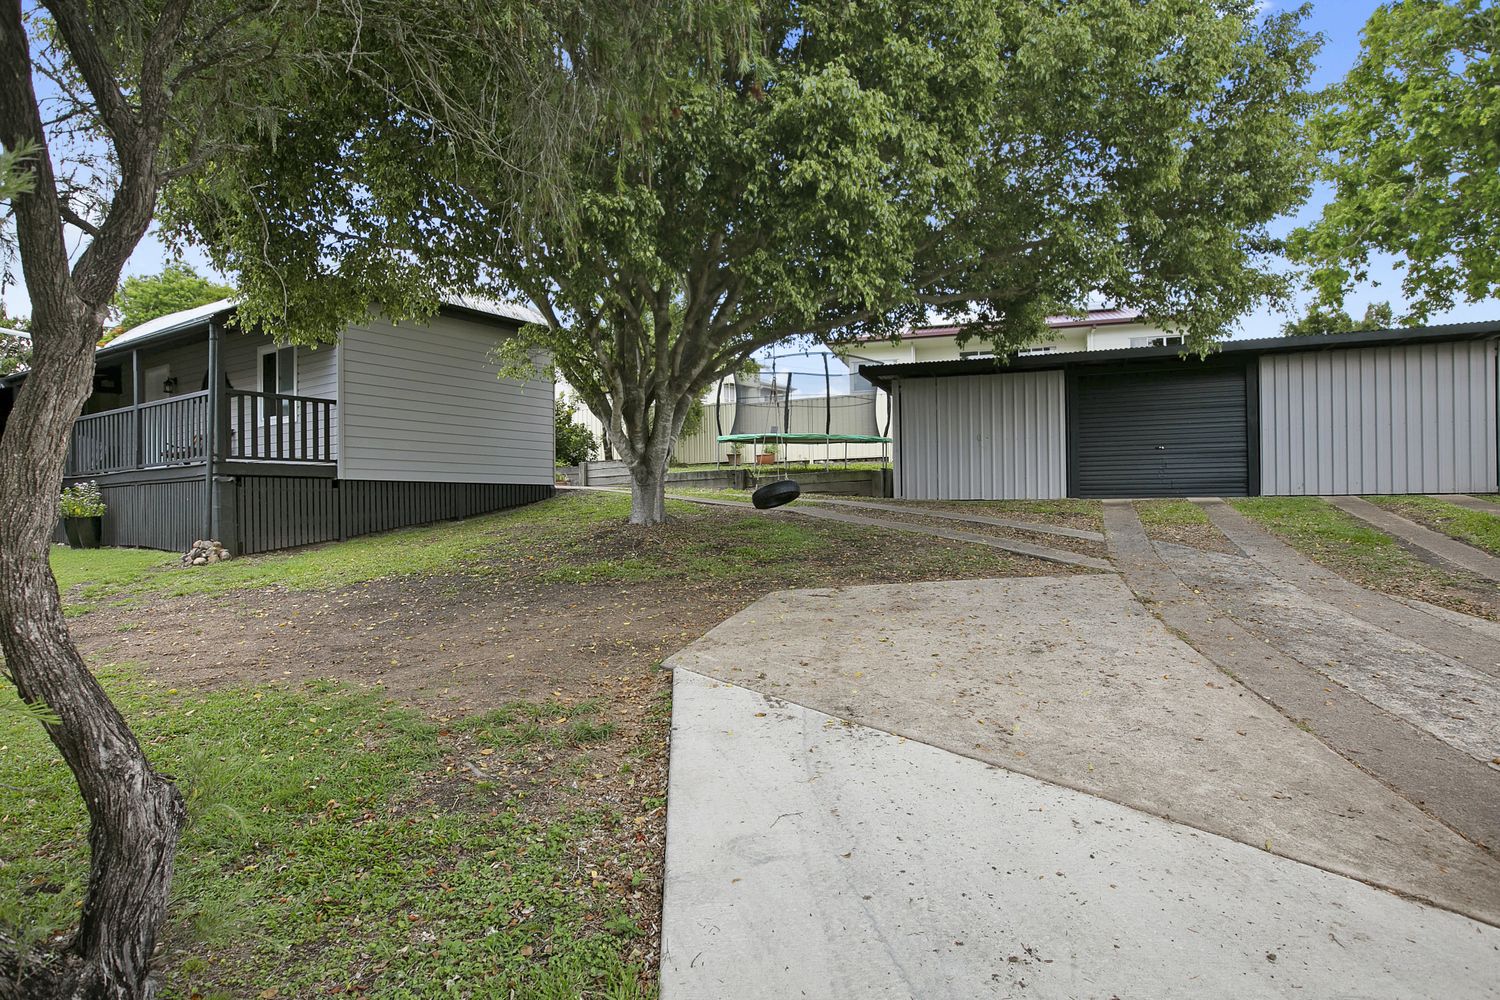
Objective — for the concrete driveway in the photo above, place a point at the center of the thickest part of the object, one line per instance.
(1035, 787)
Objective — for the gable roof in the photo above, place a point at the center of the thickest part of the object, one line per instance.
(199, 316)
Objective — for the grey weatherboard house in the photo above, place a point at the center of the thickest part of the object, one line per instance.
(197, 429)
(1388, 411)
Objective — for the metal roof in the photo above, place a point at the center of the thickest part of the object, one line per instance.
(883, 374)
(198, 317)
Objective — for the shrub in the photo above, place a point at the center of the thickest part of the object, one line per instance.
(82, 500)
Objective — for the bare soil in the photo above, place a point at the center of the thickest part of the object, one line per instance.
(455, 646)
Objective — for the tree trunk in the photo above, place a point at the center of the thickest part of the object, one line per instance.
(135, 814)
(648, 492)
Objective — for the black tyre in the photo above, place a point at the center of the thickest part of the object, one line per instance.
(783, 491)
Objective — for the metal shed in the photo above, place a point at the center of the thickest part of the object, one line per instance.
(1390, 411)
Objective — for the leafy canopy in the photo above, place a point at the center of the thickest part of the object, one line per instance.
(176, 288)
(1321, 318)
(866, 164)
(1411, 145)
(574, 443)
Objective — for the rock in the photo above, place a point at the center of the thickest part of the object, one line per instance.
(200, 561)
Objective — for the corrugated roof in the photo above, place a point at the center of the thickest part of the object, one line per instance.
(1261, 345)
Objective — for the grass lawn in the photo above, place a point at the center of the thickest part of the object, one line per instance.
(425, 763)
(1182, 522)
(1476, 527)
(331, 851)
(1366, 555)
(1085, 514)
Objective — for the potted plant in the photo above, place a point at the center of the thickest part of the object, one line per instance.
(767, 454)
(736, 448)
(83, 508)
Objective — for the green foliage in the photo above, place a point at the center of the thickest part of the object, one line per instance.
(867, 163)
(574, 443)
(1322, 318)
(1477, 527)
(15, 352)
(82, 500)
(1410, 145)
(178, 287)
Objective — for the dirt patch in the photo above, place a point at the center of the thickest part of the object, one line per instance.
(1084, 515)
(1081, 546)
(584, 617)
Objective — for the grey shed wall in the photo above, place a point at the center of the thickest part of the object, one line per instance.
(1417, 419)
(981, 437)
(422, 403)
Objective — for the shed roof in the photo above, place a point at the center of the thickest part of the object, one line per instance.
(883, 374)
(1093, 317)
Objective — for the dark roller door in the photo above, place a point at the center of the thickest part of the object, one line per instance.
(1160, 434)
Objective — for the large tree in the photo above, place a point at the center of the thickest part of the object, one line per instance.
(1411, 143)
(103, 105)
(867, 163)
(177, 287)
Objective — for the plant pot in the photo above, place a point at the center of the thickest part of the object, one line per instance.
(733, 458)
(765, 459)
(83, 532)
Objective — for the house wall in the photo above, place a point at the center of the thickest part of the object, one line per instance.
(1418, 419)
(423, 403)
(981, 437)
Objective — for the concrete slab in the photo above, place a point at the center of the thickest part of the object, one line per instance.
(1445, 783)
(1070, 680)
(1427, 542)
(807, 857)
(1456, 703)
(1473, 503)
(1411, 619)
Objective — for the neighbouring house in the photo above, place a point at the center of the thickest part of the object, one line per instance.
(1100, 329)
(199, 429)
(1378, 412)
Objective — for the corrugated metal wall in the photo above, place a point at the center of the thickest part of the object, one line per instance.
(982, 437)
(1417, 419)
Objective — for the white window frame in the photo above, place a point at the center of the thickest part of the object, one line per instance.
(1160, 340)
(260, 367)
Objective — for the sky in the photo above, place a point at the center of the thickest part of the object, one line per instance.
(1338, 21)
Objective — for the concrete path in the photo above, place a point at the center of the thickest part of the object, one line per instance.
(1070, 680)
(1431, 627)
(1444, 780)
(1061, 531)
(1473, 503)
(1427, 542)
(808, 857)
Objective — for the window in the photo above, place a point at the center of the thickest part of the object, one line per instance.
(1155, 341)
(278, 374)
(974, 355)
(1039, 349)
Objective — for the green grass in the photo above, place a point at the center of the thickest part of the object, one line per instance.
(1170, 514)
(1320, 530)
(90, 578)
(315, 861)
(1477, 527)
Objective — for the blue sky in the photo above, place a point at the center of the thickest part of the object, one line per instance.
(1339, 21)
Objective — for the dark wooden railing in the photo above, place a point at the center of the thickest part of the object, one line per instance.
(280, 428)
(177, 431)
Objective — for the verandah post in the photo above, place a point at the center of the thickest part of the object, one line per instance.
(217, 429)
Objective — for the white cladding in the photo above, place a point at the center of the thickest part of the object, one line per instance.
(981, 437)
(1415, 419)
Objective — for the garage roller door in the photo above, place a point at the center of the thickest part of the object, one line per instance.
(1160, 434)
